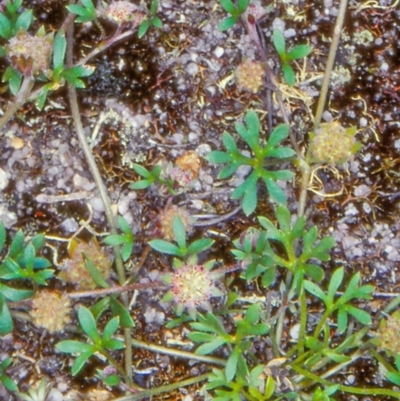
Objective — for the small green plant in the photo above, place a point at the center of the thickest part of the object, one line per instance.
(286, 57)
(299, 263)
(7, 382)
(99, 342)
(212, 334)
(234, 158)
(235, 11)
(182, 250)
(126, 239)
(341, 304)
(11, 21)
(152, 20)
(20, 263)
(85, 12)
(39, 394)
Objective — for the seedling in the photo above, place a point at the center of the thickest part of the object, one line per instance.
(234, 158)
(85, 12)
(126, 239)
(235, 12)
(99, 343)
(286, 57)
(7, 382)
(152, 20)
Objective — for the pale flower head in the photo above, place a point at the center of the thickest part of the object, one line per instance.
(51, 311)
(30, 54)
(192, 288)
(123, 12)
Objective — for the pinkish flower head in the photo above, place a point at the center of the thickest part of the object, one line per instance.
(123, 12)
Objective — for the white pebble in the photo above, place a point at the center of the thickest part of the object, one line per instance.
(192, 68)
(218, 51)
(3, 179)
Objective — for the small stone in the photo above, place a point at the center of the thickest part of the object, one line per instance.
(362, 190)
(70, 225)
(218, 52)
(192, 68)
(3, 179)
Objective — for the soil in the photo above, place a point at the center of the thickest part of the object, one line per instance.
(174, 91)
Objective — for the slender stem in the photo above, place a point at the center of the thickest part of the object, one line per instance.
(306, 171)
(163, 389)
(348, 389)
(330, 62)
(303, 321)
(178, 353)
(20, 99)
(120, 369)
(73, 100)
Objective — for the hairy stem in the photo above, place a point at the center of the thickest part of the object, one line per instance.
(19, 100)
(73, 100)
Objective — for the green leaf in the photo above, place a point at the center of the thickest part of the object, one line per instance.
(231, 366)
(279, 42)
(6, 323)
(15, 295)
(283, 215)
(199, 246)
(275, 191)
(127, 251)
(288, 74)
(309, 239)
(88, 324)
(119, 310)
(113, 344)
(394, 377)
(218, 157)
(114, 239)
(228, 6)
(249, 202)
(179, 232)
(314, 271)
(2, 235)
(314, 289)
(124, 226)
(154, 7)
(280, 133)
(228, 170)
(251, 133)
(229, 143)
(165, 247)
(242, 6)
(144, 26)
(362, 316)
(338, 358)
(110, 329)
(80, 362)
(199, 337)
(342, 320)
(5, 27)
(227, 23)
(14, 79)
(59, 48)
(24, 21)
(29, 257)
(299, 51)
(281, 153)
(8, 383)
(156, 22)
(72, 347)
(211, 346)
(95, 273)
(142, 184)
(334, 284)
(298, 228)
(141, 170)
